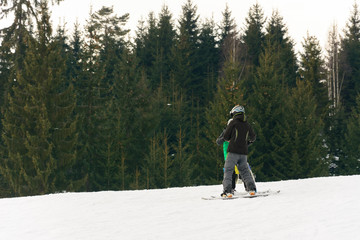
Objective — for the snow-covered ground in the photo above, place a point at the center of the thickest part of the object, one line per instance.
(317, 208)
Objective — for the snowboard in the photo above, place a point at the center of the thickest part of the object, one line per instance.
(244, 195)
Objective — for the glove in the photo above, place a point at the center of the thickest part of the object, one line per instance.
(220, 140)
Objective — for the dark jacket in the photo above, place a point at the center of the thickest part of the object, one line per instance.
(239, 133)
(220, 140)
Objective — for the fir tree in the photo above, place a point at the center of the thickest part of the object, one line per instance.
(187, 75)
(227, 26)
(350, 56)
(253, 39)
(5, 76)
(167, 36)
(158, 167)
(87, 102)
(185, 56)
(312, 71)
(302, 127)
(108, 164)
(227, 38)
(151, 166)
(208, 72)
(229, 93)
(134, 115)
(5, 71)
(182, 162)
(45, 118)
(266, 106)
(350, 164)
(209, 54)
(75, 56)
(103, 56)
(154, 43)
(335, 127)
(277, 37)
(18, 32)
(147, 47)
(254, 35)
(61, 108)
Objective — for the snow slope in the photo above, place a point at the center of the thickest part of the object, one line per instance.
(317, 208)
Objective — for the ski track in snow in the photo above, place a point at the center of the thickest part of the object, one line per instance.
(317, 208)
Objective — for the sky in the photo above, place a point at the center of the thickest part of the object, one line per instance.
(315, 17)
(318, 208)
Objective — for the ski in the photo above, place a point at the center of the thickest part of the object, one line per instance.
(262, 194)
(243, 195)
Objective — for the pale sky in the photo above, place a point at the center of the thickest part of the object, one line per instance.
(301, 16)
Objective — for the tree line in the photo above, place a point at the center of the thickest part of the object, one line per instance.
(94, 110)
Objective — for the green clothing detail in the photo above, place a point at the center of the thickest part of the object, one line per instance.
(225, 147)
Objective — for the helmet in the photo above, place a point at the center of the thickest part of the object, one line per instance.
(237, 110)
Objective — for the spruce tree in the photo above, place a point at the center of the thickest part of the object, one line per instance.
(335, 127)
(87, 91)
(152, 169)
(312, 71)
(167, 34)
(108, 156)
(147, 47)
(153, 46)
(266, 106)
(133, 111)
(350, 56)
(229, 93)
(158, 165)
(302, 128)
(14, 39)
(277, 37)
(227, 27)
(350, 164)
(182, 164)
(5, 73)
(209, 54)
(62, 115)
(102, 57)
(187, 76)
(253, 39)
(289, 141)
(46, 127)
(185, 56)
(17, 33)
(254, 35)
(76, 53)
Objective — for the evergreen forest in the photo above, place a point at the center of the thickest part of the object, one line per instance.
(94, 110)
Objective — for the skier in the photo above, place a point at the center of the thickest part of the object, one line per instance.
(240, 134)
(221, 142)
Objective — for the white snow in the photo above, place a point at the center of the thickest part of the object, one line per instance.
(318, 208)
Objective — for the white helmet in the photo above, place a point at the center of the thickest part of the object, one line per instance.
(237, 110)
